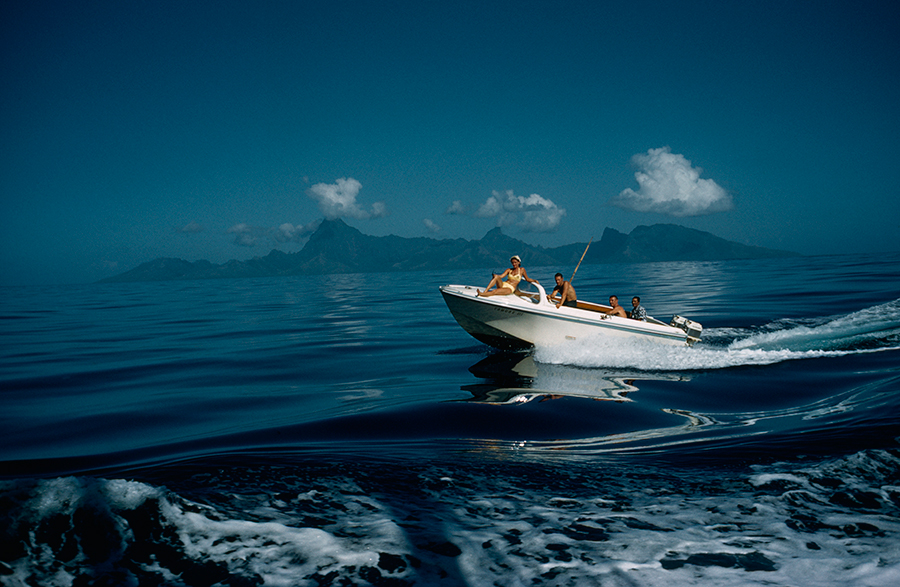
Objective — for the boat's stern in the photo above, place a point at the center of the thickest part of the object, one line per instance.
(692, 329)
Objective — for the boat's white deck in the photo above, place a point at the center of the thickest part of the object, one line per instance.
(533, 299)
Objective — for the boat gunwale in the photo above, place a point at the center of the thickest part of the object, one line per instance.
(638, 327)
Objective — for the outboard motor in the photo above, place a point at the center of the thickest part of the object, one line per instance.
(691, 328)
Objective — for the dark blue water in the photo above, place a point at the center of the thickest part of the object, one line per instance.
(343, 430)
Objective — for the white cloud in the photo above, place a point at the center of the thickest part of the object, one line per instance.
(287, 232)
(190, 228)
(531, 214)
(492, 206)
(669, 185)
(338, 200)
(250, 236)
(540, 214)
(244, 235)
(456, 208)
(430, 225)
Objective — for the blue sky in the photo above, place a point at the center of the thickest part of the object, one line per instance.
(221, 130)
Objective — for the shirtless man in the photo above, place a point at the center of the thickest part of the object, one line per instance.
(616, 309)
(565, 291)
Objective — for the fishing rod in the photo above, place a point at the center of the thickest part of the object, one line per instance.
(581, 259)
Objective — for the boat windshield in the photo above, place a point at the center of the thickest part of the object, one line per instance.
(529, 291)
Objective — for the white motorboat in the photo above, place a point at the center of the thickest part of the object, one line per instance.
(527, 319)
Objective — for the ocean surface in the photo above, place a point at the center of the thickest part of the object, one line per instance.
(344, 430)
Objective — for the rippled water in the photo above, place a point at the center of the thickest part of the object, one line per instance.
(344, 430)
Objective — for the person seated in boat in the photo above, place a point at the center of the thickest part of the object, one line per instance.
(616, 309)
(565, 291)
(637, 310)
(513, 276)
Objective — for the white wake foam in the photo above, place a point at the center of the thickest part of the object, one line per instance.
(843, 332)
(870, 330)
(831, 523)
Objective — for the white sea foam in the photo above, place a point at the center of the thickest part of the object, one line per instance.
(648, 356)
(827, 524)
(849, 331)
(871, 330)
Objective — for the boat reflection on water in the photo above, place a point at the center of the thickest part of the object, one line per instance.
(689, 420)
(645, 426)
(512, 378)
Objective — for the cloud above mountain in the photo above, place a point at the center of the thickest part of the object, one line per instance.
(338, 200)
(668, 184)
(246, 235)
(431, 226)
(288, 233)
(532, 214)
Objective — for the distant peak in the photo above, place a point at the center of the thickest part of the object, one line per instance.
(336, 226)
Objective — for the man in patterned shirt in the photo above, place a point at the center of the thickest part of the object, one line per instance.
(638, 312)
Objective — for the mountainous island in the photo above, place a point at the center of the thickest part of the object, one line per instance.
(336, 247)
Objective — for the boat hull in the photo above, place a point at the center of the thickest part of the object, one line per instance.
(521, 322)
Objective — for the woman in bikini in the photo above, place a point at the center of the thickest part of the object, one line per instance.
(513, 276)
